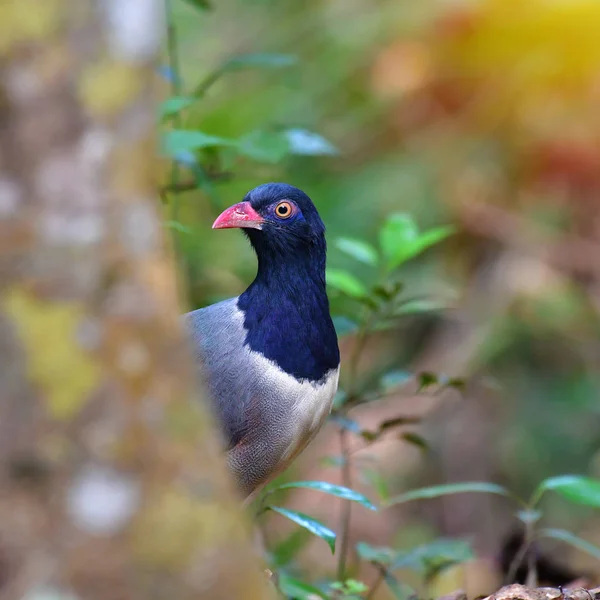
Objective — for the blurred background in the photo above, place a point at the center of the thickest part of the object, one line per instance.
(482, 115)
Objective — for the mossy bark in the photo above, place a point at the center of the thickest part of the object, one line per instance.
(111, 481)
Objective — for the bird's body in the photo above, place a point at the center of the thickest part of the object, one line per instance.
(270, 357)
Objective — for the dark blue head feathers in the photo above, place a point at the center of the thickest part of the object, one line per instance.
(291, 223)
(286, 307)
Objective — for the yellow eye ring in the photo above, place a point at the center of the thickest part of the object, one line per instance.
(284, 210)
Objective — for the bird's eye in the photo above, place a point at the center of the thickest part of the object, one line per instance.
(284, 210)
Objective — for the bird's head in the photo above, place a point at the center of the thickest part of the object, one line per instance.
(278, 218)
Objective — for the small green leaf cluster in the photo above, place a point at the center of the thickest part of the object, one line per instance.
(431, 558)
(382, 302)
(313, 525)
(577, 489)
(199, 157)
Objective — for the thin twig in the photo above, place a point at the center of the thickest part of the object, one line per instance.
(346, 508)
(174, 67)
(358, 346)
(376, 583)
(532, 578)
(172, 52)
(515, 563)
(521, 554)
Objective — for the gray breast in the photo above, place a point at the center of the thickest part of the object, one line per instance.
(267, 415)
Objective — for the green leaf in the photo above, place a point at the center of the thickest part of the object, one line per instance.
(397, 421)
(394, 379)
(396, 237)
(199, 4)
(352, 586)
(177, 226)
(299, 590)
(370, 302)
(262, 60)
(329, 488)
(415, 439)
(377, 481)
(182, 140)
(432, 237)
(438, 554)
(414, 307)
(438, 491)
(427, 379)
(388, 290)
(400, 590)
(346, 282)
(572, 539)
(315, 527)
(264, 146)
(400, 239)
(376, 554)
(370, 436)
(434, 556)
(306, 143)
(575, 488)
(359, 250)
(344, 326)
(171, 106)
(284, 551)
(389, 424)
(458, 383)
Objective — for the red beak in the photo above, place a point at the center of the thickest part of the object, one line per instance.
(239, 215)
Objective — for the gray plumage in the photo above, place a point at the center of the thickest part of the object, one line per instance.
(267, 416)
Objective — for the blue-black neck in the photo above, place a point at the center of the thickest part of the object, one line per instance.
(287, 312)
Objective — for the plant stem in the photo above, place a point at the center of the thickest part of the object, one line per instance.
(176, 85)
(376, 584)
(359, 342)
(175, 69)
(531, 562)
(172, 53)
(520, 555)
(203, 86)
(357, 348)
(346, 508)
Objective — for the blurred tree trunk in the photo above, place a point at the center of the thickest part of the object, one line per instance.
(111, 482)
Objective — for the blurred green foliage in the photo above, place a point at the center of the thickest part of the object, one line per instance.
(391, 114)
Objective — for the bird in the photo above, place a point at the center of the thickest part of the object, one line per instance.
(269, 357)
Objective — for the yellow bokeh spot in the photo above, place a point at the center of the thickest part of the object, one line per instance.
(64, 372)
(175, 526)
(108, 87)
(28, 21)
(537, 43)
(529, 68)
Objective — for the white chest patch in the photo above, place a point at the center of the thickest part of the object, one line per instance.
(308, 402)
(310, 405)
(314, 403)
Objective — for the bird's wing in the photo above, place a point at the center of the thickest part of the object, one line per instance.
(218, 342)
